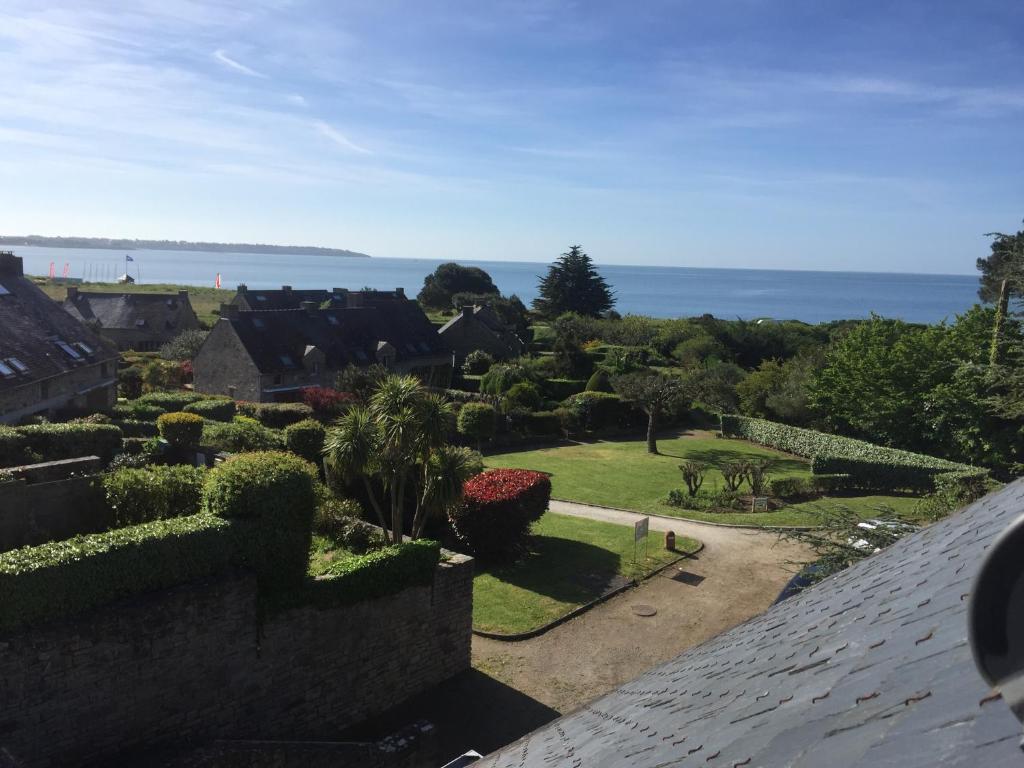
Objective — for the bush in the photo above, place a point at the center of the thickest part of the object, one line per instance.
(523, 395)
(693, 475)
(153, 493)
(377, 574)
(12, 447)
(241, 434)
(477, 422)
(275, 492)
(334, 514)
(220, 409)
(542, 423)
(600, 410)
(599, 381)
(869, 467)
(52, 442)
(306, 439)
(477, 363)
(560, 389)
(129, 382)
(170, 401)
(181, 430)
(498, 508)
(327, 404)
(185, 346)
(66, 577)
(791, 488)
(275, 415)
(132, 428)
(137, 410)
(502, 376)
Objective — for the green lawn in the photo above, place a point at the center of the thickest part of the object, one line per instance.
(621, 474)
(570, 562)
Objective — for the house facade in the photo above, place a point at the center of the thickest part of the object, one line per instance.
(272, 354)
(478, 327)
(49, 361)
(137, 321)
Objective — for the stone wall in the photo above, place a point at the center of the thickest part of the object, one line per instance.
(35, 513)
(192, 664)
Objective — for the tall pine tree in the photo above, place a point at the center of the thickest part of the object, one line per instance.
(573, 285)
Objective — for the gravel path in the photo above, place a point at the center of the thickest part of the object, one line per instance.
(737, 575)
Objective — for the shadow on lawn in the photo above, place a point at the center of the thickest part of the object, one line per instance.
(562, 569)
(716, 457)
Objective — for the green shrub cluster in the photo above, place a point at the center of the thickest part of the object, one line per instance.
(241, 434)
(377, 574)
(500, 378)
(137, 411)
(276, 493)
(306, 439)
(52, 442)
(600, 410)
(869, 467)
(66, 577)
(477, 362)
(153, 493)
(477, 421)
(275, 415)
(708, 501)
(174, 400)
(560, 389)
(181, 430)
(214, 409)
(134, 428)
(542, 423)
(12, 447)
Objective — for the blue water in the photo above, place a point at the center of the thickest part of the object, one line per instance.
(657, 291)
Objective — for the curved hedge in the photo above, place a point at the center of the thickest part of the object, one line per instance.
(868, 466)
(376, 574)
(53, 442)
(180, 429)
(306, 439)
(174, 400)
(67, 577)
(242, 433)
(498, 508)
(275, 415)
(219, 409)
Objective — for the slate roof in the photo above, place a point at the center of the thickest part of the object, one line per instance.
(276, 340)
(161, 313)
(278, 298)
(871, 667)
(489, 320)
(32, 324)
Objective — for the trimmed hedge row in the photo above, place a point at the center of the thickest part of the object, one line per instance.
(66, 577)
(12, 447)
(219, 409)
(377, 574)
(155, 492)
(66, 441)
(174, 400)
(868, 466)
(275, 415)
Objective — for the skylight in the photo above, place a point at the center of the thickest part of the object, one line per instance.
(287, 360)
(261, 298)
(258, 323)
(5, 370)
(424, 346)
(3, 291)
(16, 363)
(332, 320)
(85, 347)
(68, 350)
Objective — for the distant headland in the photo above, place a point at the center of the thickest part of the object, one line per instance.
(126, 244)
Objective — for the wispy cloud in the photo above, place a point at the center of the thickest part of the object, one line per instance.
(221, 56)
(339, 138)
(297, 99)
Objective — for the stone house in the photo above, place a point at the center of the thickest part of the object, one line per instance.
(270, 355)
(139, 321)
(49, 361)
(478, 327)
(287, 297)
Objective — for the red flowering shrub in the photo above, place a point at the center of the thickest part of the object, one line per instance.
(327, 403)
(498, 508)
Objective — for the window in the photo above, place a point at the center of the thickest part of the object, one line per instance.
(409, 346)
(68, 350)
(140, 323)
(332, 319)
(261, 298)
(85, 347)
(424, 346)
(6, 371)
(286, 360)
(19, 366)
(258, 323)
(3, 291)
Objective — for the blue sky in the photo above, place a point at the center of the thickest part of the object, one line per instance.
(817, 134)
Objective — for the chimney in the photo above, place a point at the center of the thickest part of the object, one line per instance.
(242, 287)
(72, 293)
(286, 288)
(183, 295)
(400, 293)
(229, 310)
(355, 299)
(311, 308)
(10, 264)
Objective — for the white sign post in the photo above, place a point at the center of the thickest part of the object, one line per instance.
(640, 528)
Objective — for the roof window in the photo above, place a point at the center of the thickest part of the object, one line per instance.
(3, 291)
(17, 365)
(287, 360)
(6, 371)
(332, 319)
(424, 346)
(360, 355)
(258, 323)
(68, 350)
(85, 348)
(260, 297)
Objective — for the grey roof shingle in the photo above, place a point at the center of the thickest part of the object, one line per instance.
(155, 312)
(871, 667)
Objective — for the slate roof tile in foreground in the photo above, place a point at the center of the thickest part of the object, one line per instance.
(868, 668)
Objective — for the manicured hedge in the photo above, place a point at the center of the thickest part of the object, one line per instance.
(600, 410)
(153, 493)
(66, 577)
(560, 389)
(174, 400)
(868, 466)
(377, 574)
(306, 439)
(219, 409)
(543, 423)
(12, 447)
(276, 491)
(133, 428)
(275, 415)
(136, 410)
(53, 442)
(241, 434)
(477, 421)
(180, 429)
(498, 508)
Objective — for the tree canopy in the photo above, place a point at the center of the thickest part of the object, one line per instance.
(655, 394)
(449, 279)
(572, 284)
(1005, 262)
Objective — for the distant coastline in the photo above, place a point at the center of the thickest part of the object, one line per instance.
(125, 244)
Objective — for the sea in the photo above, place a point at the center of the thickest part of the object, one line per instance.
(811, 297)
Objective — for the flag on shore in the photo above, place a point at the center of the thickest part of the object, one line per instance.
(128, 258)
(216, 283)
(53, 270)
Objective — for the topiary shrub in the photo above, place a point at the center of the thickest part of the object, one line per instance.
(476, 421)
(477, 363)
(137, 411)
(12, 447)
(133, 428)
(600, 410)
(542, 423)
(181, 430)
(377, 574)
(274, 494)
(275, 415)
(129, 382)
(502, 376)
(219, 409)
(560, 389)
(153, 493)
(52, 442)
(306, 439)
(599, 381)
(523, 395)
(241, 434)
(174, 400)
(498, 508)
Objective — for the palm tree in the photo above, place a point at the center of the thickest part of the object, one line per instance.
(400, 440)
